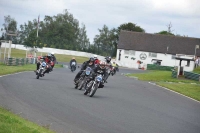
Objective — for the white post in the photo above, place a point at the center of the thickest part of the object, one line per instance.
(9, 49)
(4, 51)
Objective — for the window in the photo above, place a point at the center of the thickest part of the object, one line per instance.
(173, 56)
(152, 54)
(126, 51)
(131, 52)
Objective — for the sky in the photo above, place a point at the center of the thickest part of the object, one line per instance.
(151, 15)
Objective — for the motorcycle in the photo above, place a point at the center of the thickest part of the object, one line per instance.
(73, 66)
(41, 70)
(92, 86)
(114, 70)
(83, 77)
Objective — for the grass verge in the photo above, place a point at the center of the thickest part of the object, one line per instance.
(186, 87)
(4, 69)
(11, 123)
(17, 53)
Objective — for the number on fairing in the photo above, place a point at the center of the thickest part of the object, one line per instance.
(99, 78)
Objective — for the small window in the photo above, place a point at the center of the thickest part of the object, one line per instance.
(131, 52)
(126, 51)
(152, 54)
(173, 56)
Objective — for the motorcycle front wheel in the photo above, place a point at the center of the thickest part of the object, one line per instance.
(93, 89)
(38, 75)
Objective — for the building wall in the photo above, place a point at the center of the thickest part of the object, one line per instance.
(130, 60)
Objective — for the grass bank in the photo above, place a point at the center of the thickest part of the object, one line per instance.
(11, 123)
(4, 69)
(60, 57)
(186, 87)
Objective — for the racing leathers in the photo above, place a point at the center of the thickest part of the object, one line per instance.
(83, 67)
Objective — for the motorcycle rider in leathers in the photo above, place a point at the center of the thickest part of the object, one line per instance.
(47, 59)
(108, 67)
(89, 63)
(99, 69)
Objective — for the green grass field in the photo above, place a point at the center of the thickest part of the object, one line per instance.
(11, 123)
(60, 58)
(186, 87)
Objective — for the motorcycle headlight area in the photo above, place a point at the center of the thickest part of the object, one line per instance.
(87, 72)
(44, 64)
(99, 78)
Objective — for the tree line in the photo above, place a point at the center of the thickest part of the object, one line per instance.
(63, 31)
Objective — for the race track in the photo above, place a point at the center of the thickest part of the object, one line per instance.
(124, 105)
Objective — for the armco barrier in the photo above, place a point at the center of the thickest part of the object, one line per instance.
(18, 61)
(174, 74)
(157, 67)
(191, 75)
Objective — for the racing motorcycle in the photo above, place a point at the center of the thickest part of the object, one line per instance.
(114, 70)
(92, 86)
(73, 66)
(41, 70)
(83, 77)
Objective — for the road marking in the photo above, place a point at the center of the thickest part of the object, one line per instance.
(174, 91)
(13, 73)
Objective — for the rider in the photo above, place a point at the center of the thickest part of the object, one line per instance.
(100, 69)
(89, 63)
(108, 66)
(115, 65)
(72, 60)
(53, 59)
(46, 58)
(96, 60)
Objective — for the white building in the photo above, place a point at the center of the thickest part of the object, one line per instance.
(164, 50)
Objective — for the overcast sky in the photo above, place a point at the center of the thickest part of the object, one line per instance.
(151, 15)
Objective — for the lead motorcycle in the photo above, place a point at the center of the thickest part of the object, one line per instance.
(92, 86)
(83, 77)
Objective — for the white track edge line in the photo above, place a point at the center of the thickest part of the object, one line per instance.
(174, 92)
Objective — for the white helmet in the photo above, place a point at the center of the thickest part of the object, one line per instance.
(95, 56)
(52, 53)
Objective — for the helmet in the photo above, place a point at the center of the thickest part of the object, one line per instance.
(91, 61)
(108, 59)
(52, 53)
(95, 56)
(102, 64)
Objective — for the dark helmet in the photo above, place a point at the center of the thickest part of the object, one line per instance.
(108, 59)
(91, 61)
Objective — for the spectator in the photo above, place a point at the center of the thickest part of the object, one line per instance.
(196, 62)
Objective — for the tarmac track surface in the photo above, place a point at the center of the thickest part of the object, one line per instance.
(124, 105)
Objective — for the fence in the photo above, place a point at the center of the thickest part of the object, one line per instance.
(192, 76)
(18, 61)
(158, 67)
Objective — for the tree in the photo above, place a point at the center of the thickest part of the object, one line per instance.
(164, 33)
(130, 27)
(9, 27)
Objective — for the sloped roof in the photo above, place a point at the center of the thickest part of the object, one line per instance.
(158, 43)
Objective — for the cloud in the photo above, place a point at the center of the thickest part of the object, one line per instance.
(151, 15)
